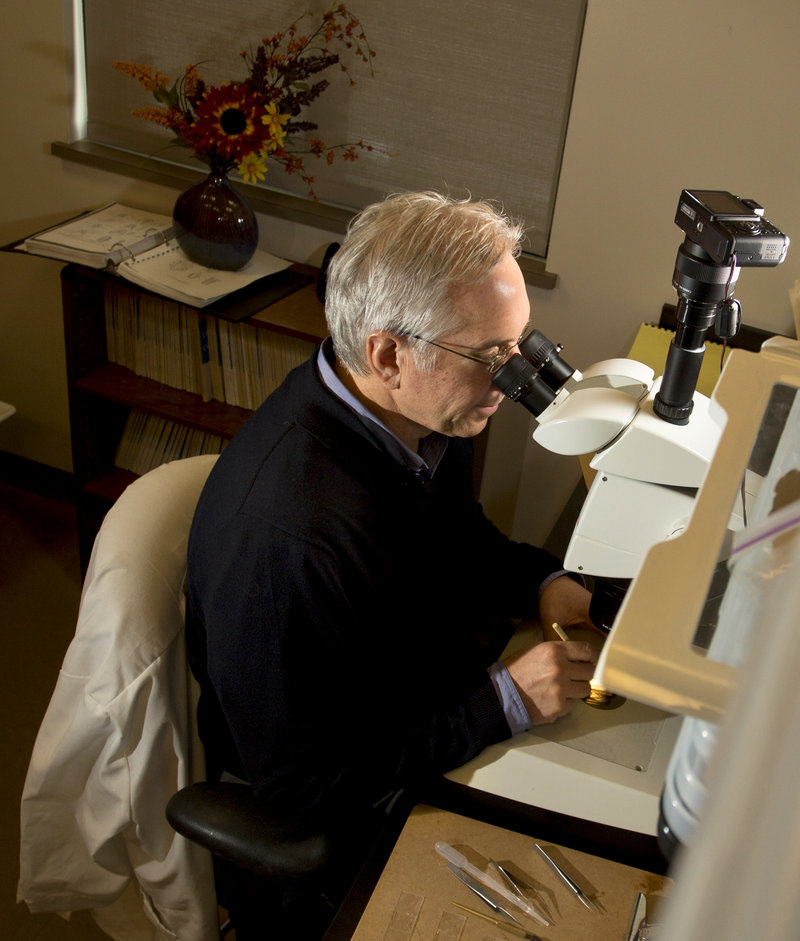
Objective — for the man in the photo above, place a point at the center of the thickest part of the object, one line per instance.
(348, 599)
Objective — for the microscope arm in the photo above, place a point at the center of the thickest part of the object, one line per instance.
(648, 470)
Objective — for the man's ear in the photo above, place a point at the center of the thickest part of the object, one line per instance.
(385, 355)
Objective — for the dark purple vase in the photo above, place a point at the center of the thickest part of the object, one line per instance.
(214, 226)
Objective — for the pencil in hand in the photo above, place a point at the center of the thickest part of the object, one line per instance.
(559, 630)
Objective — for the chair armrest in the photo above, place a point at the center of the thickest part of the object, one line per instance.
(227, 819)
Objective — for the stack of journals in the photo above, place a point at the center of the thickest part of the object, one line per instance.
(149, 441)
(184, 348)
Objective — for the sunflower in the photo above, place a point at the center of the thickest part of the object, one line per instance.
(228, 125)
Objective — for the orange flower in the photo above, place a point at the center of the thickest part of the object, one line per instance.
(144, 74)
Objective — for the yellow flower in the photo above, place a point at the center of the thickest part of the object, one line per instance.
(253, 168)
(275, 121)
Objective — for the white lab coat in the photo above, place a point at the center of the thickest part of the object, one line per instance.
(120, 737)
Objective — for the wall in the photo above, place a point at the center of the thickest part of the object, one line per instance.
(668, 96)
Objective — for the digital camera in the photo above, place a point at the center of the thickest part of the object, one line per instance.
(724, 225)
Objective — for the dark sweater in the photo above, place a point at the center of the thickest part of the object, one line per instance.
(342, 611)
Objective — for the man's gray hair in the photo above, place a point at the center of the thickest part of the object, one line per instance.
(398, 263)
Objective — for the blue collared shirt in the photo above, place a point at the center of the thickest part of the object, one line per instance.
(431, 447)
(424, 464)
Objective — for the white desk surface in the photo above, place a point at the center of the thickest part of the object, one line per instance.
(602, 765)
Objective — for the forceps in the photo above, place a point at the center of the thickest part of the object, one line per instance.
(569, 882)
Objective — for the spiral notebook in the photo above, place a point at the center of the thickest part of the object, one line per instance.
(166, 270)
(102, 237)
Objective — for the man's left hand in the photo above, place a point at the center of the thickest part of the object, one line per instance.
(566, 603)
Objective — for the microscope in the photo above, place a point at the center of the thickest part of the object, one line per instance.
(652, 438)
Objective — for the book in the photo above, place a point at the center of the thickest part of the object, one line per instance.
(140, 246)
(103, 237)
(148, 441)
(186, 348)
(166, 270)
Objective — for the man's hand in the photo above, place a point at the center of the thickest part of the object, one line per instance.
(564, 602)
(551, 676)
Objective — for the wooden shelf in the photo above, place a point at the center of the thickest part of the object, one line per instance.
(103, 394)
(301, 315)
(109, 484)
(118, 384)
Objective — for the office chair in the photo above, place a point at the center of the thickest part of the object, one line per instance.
(119, 742)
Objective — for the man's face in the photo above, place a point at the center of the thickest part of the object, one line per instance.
(457, 397)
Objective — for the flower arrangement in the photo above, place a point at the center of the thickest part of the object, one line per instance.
(242, 124)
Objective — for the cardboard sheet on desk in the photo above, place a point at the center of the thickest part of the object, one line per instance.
(416, 869)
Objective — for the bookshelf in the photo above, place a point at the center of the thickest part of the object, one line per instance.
(117, 376)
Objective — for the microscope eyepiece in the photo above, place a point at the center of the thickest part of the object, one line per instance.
(533, 376)
(519, 381)
(544, 356)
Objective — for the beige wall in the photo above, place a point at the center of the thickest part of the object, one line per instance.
(669, 95)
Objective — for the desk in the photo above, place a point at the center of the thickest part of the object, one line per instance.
(607, 766)
(415, 869)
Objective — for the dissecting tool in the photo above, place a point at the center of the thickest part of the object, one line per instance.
(513, 885)
(639, 917)
(507, 920)
(514, 898)
(568, 881)
(517, 930)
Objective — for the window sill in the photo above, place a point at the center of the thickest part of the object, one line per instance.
(261, 199)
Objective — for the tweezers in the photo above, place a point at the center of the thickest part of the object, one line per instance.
(570, 883)
(483, 894)
(512, 884)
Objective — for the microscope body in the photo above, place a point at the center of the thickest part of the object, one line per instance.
(652, 441)
(652, 438)
(648, 471)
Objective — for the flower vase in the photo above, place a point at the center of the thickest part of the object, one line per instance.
(214, 226)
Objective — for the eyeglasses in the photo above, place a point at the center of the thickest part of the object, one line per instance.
(500, 358)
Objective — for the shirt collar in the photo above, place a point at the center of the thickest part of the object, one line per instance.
(432, 446)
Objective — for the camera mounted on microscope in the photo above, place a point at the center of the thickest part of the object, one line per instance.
(723, 234)
(729, 228)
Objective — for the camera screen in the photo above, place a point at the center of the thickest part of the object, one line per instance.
(723, 203)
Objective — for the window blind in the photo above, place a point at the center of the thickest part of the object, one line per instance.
(466, 97)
